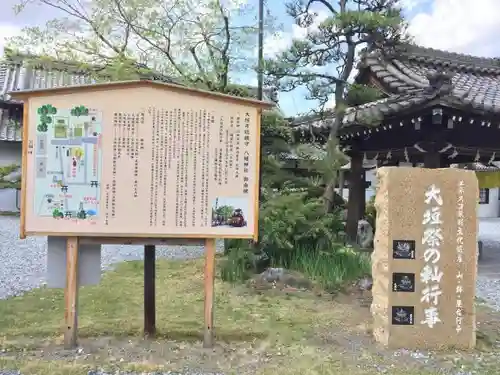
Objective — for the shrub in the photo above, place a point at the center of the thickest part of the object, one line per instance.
(371, 213)
(292, 220)
(295, 233)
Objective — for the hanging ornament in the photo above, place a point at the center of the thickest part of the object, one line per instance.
(445, 148)
(419, 148)
(389, 156)
(407, 159)
(453, 154)
(492, 159)
(476, 159)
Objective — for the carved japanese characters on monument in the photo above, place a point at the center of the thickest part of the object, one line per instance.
(430, 274)
(424, 260)
(152, 160)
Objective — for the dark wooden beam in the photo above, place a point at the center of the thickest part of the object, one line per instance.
(432, 159)
(149, 290)
(355, 203)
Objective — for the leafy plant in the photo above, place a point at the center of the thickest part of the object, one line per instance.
(371, 213)
(291, 220)
(240, 264)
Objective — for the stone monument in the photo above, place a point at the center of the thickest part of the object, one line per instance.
(424, 263)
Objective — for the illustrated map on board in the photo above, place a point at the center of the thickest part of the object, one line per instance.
(68, 162)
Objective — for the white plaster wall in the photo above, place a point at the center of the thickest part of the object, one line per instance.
(492, 208)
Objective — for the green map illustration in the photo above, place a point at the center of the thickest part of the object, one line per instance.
(68, 162)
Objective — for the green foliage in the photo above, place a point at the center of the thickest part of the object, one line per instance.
(276, 141)
(361, 94)
(332, 269)
(6, 170)
(290, 220)
(324, 60)
(241, 263)
(197, 43)
(371, 213)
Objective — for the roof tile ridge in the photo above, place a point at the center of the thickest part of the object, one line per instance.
(414, 78)
(443, 54)
(460, 61)
(383, 67)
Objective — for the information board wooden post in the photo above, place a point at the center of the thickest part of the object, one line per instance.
(94, 155)
(149, 290)
(208, 337)
(71, 294)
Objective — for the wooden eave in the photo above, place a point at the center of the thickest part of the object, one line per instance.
(26, 94)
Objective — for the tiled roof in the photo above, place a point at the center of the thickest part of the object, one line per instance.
(475, 81)
(416, 75)
(16, 75)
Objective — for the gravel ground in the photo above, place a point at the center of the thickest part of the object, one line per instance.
(23, 262)
(488, 288)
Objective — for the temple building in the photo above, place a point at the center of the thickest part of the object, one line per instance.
(436, 109)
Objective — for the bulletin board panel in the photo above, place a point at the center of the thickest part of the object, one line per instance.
(140, 162)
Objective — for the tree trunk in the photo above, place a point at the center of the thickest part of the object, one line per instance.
(329, 194)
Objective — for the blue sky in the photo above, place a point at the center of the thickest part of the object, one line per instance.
(464, 26)
(292, 103)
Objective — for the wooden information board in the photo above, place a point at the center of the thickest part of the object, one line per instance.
(140, 159)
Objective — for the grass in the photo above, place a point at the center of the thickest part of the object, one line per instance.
(331, 270)
(256, 333)
(9, 213)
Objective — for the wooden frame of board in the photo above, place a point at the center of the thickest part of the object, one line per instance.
(27, 95)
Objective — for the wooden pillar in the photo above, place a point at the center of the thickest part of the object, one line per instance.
(208, 337)
(71, 294)
(362, 195)
(356, 196)
(432, 159)
(445, 162)
(149, 290)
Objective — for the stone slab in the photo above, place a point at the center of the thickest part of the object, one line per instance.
(424, 264)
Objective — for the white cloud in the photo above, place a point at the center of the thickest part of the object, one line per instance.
(282, 40)
(7, 31)
(465, 26)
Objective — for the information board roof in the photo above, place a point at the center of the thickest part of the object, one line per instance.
(23, 94)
